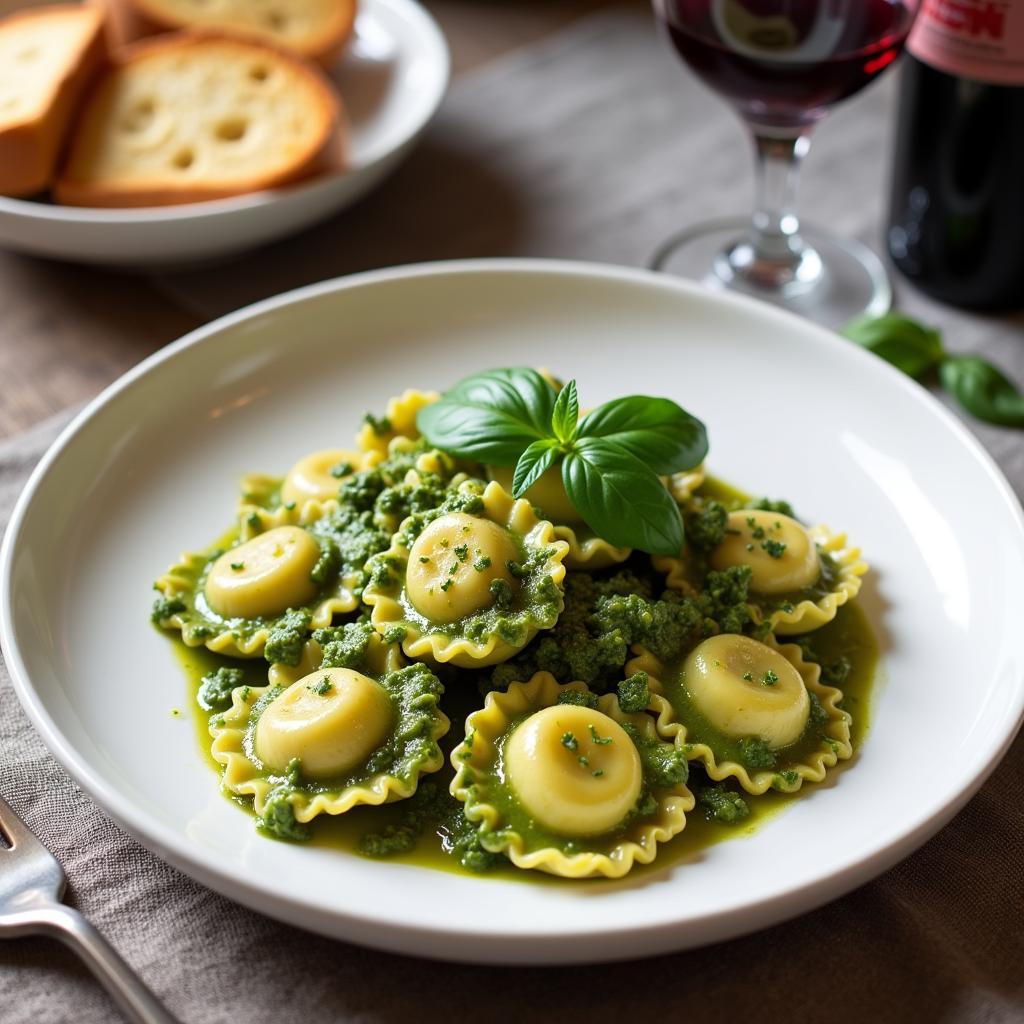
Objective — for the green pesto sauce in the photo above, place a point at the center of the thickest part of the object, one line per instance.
(849, 635)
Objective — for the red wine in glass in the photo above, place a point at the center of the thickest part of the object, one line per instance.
(785, 62)
(782, 64)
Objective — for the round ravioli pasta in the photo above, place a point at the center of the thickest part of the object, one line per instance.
(265, 576)
(445, 587)
(317, 476)
(799, 576)
(322, 738)
(258, 596)
(331, 719)
(307, 492)
(745, 688)
(753, 711)
(562, 781)
(586, 793)
(470, 583)
(780, 552)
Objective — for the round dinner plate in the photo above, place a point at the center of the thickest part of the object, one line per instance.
(392, 79)
(151, 468)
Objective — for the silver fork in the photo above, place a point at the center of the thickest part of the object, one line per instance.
(31, 887)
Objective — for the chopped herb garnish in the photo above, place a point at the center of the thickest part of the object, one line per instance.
(601, 741)
(769, 678)
(775, 548)
(483, 562)
(569, 741)
(380, 425)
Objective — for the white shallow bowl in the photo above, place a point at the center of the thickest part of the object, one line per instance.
(392, 80)
(151, 468)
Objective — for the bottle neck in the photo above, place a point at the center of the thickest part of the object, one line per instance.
(975, 39)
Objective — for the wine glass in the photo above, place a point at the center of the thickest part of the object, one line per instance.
(782, 64)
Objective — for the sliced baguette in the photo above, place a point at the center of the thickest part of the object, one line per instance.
(48, 56)
(189, 117)
(316, 29)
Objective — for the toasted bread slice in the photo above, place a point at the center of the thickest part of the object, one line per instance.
(317, 29)
(48, 56)
(189, 117)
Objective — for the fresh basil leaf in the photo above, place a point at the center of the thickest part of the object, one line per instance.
(908, 345)
(537, 459)
(566, 415)
(492, 417)
(620, 498)
(983, 390)
(664, 436)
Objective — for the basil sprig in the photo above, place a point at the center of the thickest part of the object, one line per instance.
(611, 460)
(982, 389)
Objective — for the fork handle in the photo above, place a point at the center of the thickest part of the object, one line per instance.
(125, 988)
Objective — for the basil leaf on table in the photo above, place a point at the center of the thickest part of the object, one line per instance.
(657, 431)
(908, 345)
(620, 498)
(492, 417)
(566, 414)
(537, 459)
(983, 390)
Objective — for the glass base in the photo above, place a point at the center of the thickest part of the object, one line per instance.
(835, 280)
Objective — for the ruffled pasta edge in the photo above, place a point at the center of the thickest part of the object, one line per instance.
(590, 553)
(401, 411)
(837, 747)
(682, 486)
(485, 726)
(514, 514)
(810, 615)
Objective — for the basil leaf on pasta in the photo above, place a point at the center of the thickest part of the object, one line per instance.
(539, 457)
(620, 498)
(493, 416)
(657, 431)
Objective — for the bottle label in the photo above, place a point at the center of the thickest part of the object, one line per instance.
(978, 39)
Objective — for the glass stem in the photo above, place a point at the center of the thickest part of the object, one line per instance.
(774, 256)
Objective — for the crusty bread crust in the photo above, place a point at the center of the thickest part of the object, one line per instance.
(76, 185)
(131, 20)
(30, 149)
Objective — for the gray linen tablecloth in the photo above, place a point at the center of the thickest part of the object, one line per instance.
(591, 145)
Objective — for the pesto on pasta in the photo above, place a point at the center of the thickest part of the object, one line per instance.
(519, 636)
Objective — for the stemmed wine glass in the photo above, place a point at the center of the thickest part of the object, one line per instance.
(782, 64)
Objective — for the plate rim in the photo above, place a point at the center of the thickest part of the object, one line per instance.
(483, 945)
(28, 211)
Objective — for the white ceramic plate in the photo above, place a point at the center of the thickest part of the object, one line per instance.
(150, 468)
(392, 80)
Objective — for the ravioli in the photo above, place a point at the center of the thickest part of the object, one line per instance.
(322, 739)
(471, 583)
(749, 710)
(565, 788)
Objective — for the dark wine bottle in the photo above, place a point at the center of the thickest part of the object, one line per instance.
(956, 223)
